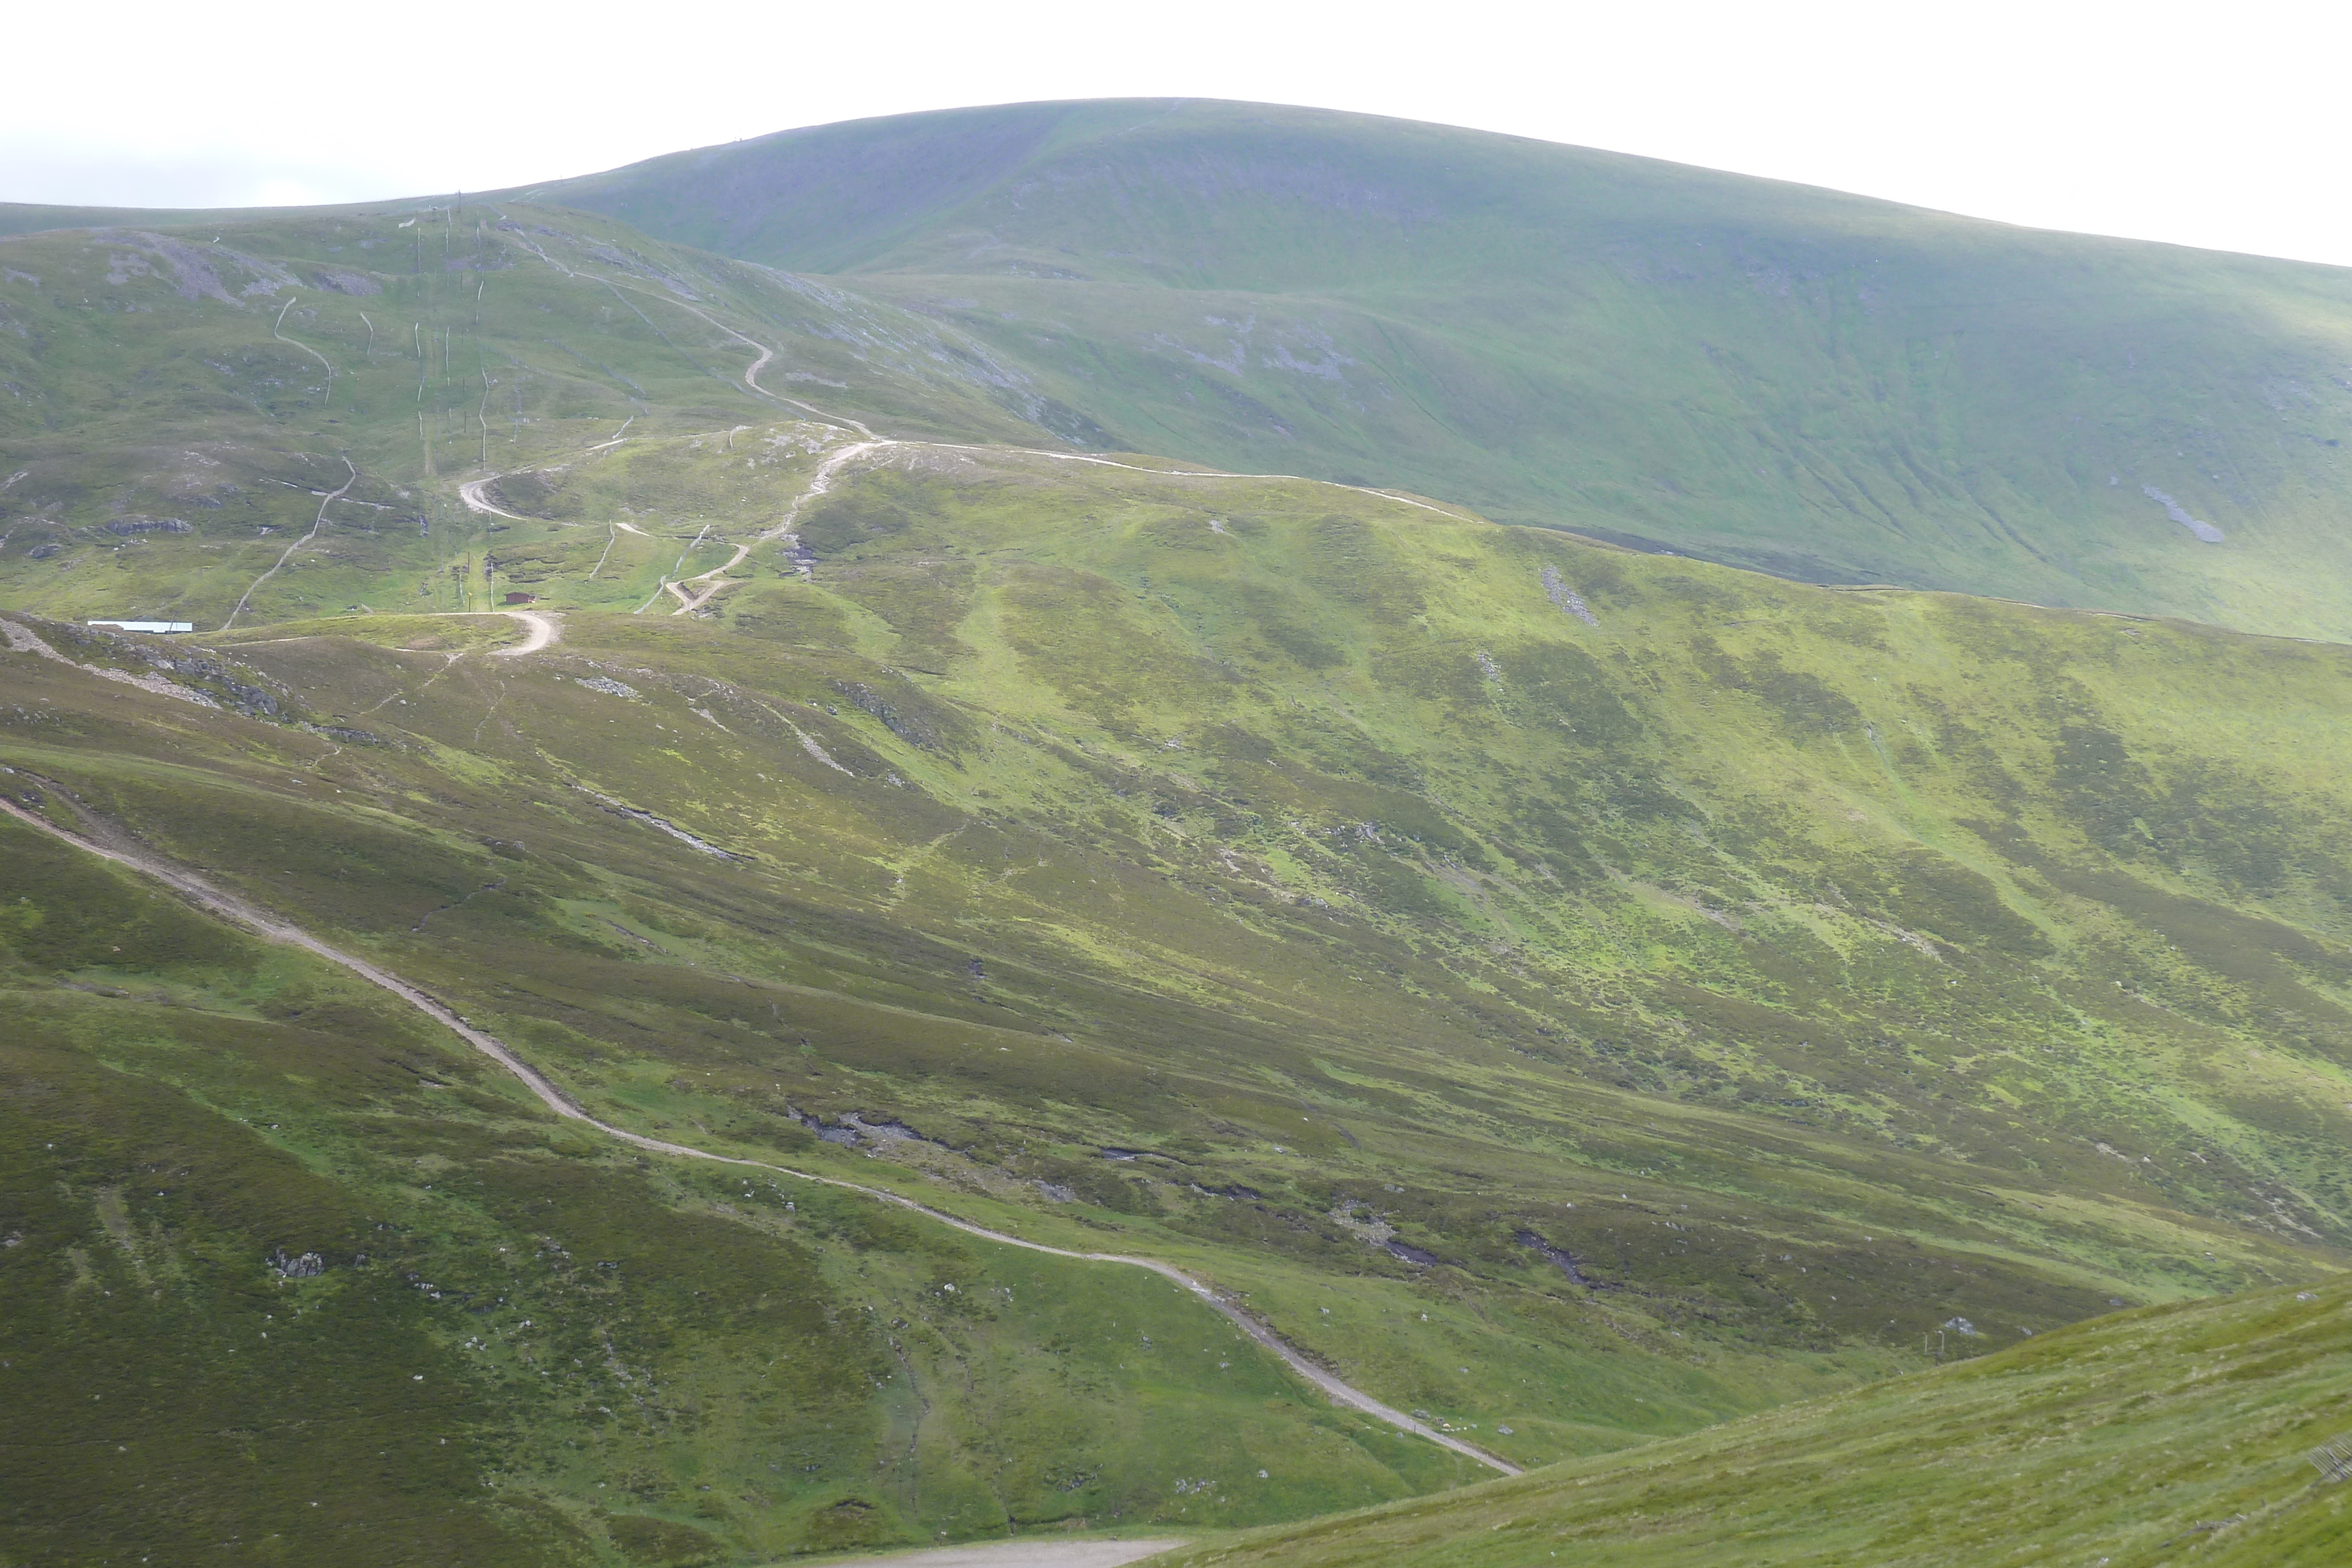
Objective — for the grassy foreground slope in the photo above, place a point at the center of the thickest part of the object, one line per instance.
(285, 1271)
(1819, 385)
(2171, 1436)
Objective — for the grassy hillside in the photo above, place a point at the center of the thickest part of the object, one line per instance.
(1818, 385)
(2171, 1436)
(176, 407)
(1577, 994)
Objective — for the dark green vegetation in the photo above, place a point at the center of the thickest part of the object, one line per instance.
(2172, 1435)
(1580, 994)
(1819, 385)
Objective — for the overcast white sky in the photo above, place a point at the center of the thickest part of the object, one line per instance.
(2219, 126)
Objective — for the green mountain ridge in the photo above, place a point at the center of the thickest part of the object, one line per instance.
(1577, 994)
(1776, 376)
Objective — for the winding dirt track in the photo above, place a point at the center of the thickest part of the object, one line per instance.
(1025, 1553)
(316, 524)
(229, 906)
(471, 492)
(819, 483)
(545, 630)
(277, 332)
(752, 374)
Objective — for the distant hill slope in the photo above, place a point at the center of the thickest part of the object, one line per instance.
(2168, 1436)
(176, 404)
(35, 217)
(1816, 384)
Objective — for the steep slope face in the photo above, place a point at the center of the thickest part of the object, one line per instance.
(2168, 1436)
(1818, 385)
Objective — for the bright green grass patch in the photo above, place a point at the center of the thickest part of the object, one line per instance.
(2172, 1435)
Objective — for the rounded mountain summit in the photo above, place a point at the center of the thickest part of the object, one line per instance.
(1775, 376)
